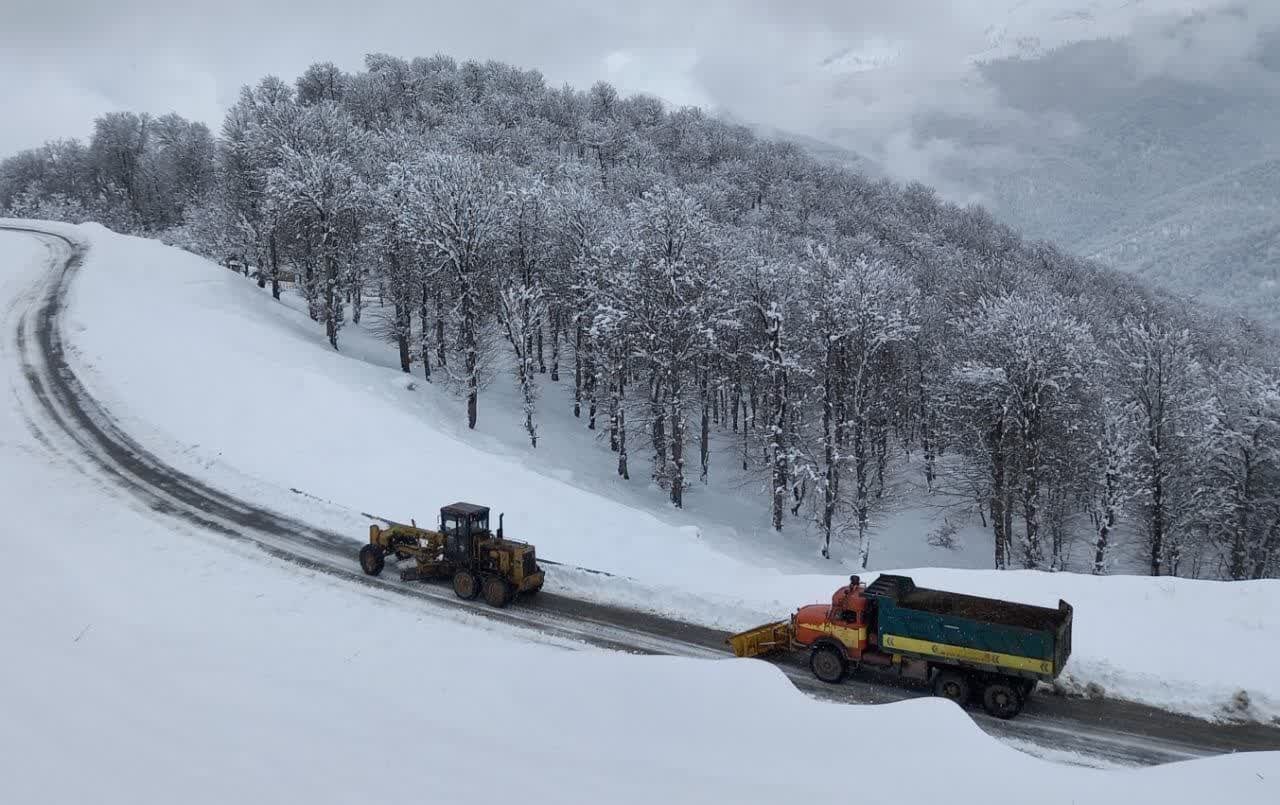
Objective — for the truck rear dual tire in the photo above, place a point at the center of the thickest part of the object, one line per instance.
(828, 664)
(371, 560)
(1002, 698)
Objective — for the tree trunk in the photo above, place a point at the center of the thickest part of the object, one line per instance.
(423, 313)
(275, 265)
(658, 412)
(555, 347)
(441, 353)
(861, 484)
(704, 437)
(677, 443)
(1157, 519)
(777, 436)
(1239, 543)
(332, 299)
(470, 346)
(403, 320)
(542, 363)
(402, 335)
(357, 294)
(995, 443)
(926, 421)
(592, 383)
(831, 475)
(577, 370)
(620, 416)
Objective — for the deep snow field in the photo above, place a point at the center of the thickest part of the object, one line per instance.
(148, 663)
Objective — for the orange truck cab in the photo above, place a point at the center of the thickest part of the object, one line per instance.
(843, 635)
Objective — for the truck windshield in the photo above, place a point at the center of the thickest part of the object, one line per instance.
(480, 523)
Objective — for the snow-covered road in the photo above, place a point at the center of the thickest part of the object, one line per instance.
(60, 408)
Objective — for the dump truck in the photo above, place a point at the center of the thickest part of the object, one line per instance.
(968, 649)
(463, 548)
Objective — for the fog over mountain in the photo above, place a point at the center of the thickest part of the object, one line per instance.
(1138, 131)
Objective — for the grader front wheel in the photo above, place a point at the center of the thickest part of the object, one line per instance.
(372, 560)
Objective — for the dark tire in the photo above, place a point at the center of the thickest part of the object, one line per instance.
(497, 593)
(828, 664)
(466, 585)
(371, 560)
(1002, 699)
(953, 686)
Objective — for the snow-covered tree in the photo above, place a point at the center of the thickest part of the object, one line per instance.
(1018, 384)
(1161, 379)
(316, 181)
(463, 202)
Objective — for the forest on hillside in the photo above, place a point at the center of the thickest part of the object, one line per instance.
(685, 277)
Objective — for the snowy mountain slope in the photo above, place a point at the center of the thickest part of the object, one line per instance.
(157, 665)
(360, 438)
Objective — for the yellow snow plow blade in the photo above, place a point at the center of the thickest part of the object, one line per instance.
(762, 639)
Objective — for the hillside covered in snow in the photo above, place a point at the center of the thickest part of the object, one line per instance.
(721, 309)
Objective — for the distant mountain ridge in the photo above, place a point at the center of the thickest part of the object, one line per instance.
(1175, 178)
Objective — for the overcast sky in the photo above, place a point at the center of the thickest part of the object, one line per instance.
(796, 64)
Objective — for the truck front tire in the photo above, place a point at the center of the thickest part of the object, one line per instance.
(828, 664)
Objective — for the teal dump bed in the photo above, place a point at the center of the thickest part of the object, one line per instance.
(956, 629)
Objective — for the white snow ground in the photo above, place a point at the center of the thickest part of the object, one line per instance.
(147, 664)
(225, 383)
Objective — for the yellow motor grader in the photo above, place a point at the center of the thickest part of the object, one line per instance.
(479, 561)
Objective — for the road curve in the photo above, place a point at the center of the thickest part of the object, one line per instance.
(1105, 732)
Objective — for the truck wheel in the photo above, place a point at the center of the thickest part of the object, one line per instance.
(466, 585)
(497, 593)
(827, 665)
(371, 560)
(953, 686)
(1001, 699)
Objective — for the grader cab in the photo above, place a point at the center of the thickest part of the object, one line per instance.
(479, 560)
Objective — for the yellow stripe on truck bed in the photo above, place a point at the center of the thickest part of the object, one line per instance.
(929, 648)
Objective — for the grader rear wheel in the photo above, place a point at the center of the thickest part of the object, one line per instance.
(497, 593)
(466, 585)
(372, 560)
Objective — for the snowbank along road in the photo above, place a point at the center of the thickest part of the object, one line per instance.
(1107, 732)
